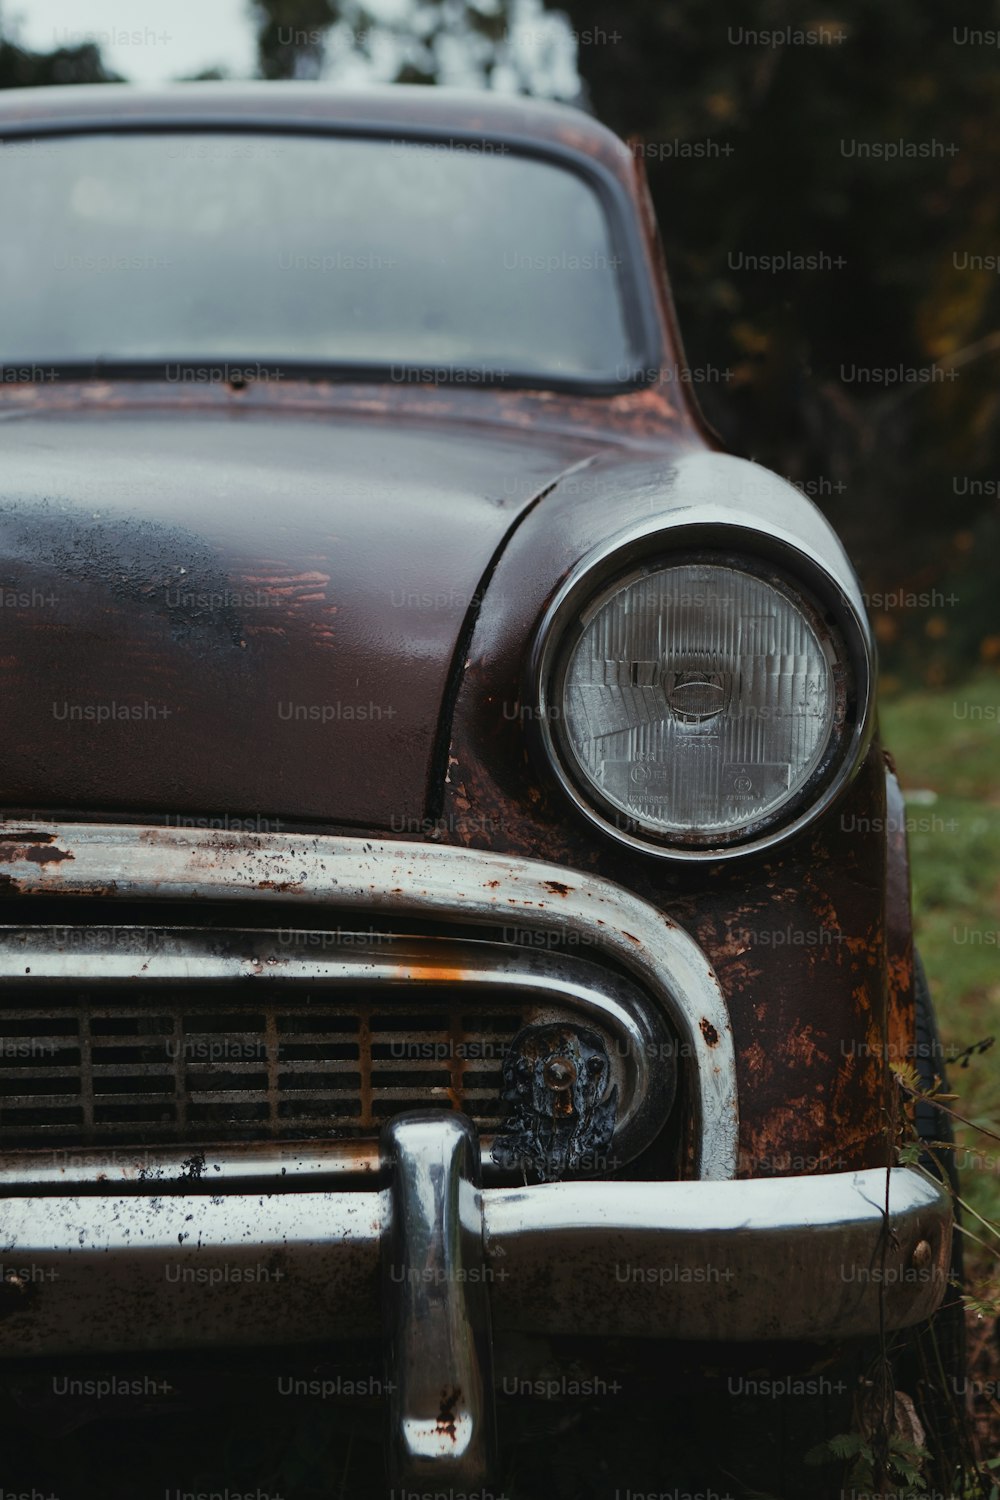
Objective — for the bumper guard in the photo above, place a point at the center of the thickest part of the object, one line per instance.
(431, 1259)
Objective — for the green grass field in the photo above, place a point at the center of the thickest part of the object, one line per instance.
(946, 745)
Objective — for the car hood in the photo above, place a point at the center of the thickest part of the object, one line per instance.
(231, 616)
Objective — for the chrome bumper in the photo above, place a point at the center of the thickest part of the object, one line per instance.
(263, 1249)
(439, 1267)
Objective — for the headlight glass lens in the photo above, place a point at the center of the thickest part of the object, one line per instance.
(697, 700)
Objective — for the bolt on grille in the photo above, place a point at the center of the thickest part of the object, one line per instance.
(82, 1067)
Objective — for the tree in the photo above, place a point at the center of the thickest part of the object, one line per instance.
(839, 301)
(21, 69)
(291, 36)
(868, 368)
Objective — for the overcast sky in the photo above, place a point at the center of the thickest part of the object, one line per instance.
(145, 41)
(152, 41)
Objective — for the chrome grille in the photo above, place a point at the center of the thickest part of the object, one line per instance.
(270, 1066)
(159, 1037)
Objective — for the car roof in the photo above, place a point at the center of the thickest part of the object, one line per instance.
(436, 111)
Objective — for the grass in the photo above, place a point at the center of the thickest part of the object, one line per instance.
(947, 749)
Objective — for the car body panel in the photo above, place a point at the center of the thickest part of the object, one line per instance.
(287, 590)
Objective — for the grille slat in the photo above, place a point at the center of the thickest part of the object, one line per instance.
(59, 1070)
(178, 1064)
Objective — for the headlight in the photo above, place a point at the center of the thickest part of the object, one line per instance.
(693, 702)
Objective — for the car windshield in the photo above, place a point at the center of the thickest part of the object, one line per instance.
(394, 256)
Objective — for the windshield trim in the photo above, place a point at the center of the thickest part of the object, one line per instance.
(638, 303)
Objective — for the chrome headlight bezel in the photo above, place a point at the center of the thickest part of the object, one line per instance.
(814, 591)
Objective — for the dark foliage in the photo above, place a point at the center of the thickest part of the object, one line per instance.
(897, 275)
(20, 69)
(867, 370)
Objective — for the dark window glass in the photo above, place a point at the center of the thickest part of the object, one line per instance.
(181, 247)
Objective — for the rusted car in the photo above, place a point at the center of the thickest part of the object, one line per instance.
(455, 898)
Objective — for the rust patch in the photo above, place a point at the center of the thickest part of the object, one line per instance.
(38, 852)
(40, 855)
(26, 836)
(557, 888)
(708, 1031)
(757, 1062)
(829, 887)
(799, 1047)
(632, 938)
(446, 1415)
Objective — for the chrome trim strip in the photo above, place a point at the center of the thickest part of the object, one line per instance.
(439, 1355)
(385, 879)
(809, 1257)
(154, 1170)
(165, 957)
